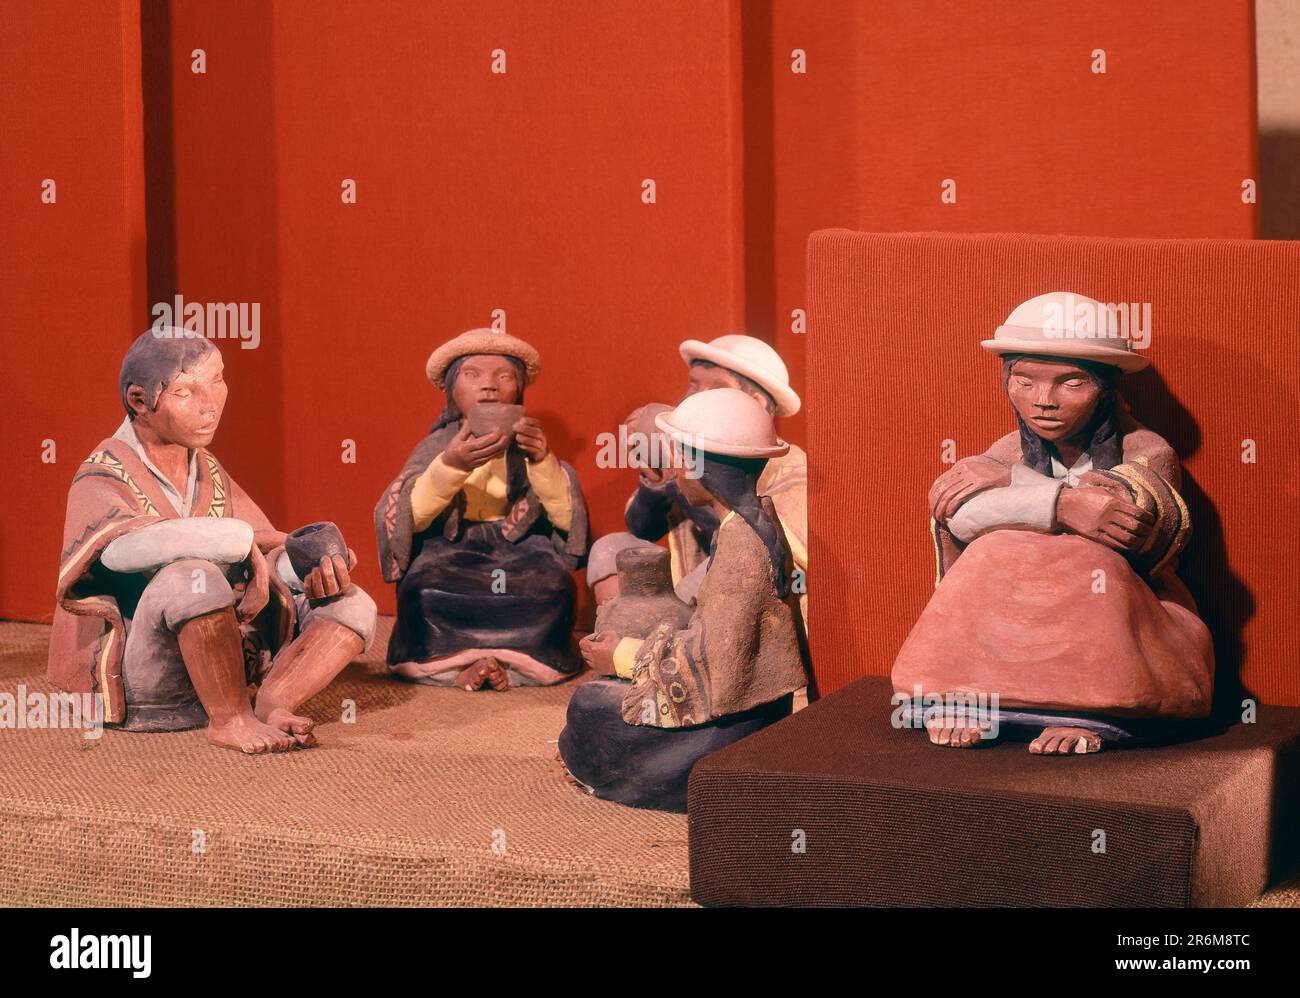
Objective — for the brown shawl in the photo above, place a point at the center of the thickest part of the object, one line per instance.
(741, 649)
(1149, 477)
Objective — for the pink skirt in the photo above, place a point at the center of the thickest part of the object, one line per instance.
(1058, 622)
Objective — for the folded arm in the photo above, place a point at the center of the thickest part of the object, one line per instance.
(219, 540)
(1028, 503)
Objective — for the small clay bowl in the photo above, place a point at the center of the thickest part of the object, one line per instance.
(658, 455)
(307, 545)
(488, 416)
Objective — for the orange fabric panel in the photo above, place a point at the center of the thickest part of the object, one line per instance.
(479, 191)
(896, 371)
(900, 95)
(222, 236)
(72, 272)
(475, 191)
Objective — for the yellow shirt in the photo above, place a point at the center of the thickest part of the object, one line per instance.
(485, 491)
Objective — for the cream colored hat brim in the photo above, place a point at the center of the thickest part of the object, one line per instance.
(482, 341)
(787, 400)
(701, 442)
(1078, 349)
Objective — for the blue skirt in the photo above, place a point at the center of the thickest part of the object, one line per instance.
(645, 766)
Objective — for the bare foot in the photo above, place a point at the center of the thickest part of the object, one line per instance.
(569, 778)
(956, 733)
(299, 728)
(245, 733)
(483, 673)
(1066, 741)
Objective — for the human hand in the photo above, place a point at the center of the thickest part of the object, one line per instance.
(531, 438)
(960, 482)
(598, 652)
(256, 591)
(331, 577)
(465, 452)
(1096, 513)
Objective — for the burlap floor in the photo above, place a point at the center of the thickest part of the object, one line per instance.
(404, 807)
(433, 796)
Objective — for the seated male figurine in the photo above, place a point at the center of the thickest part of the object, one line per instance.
(1057, 551)
(174, 591)
(657, 508)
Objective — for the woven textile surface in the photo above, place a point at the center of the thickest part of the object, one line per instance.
(433, 796)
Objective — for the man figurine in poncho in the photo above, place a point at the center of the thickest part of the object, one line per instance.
(174, 591)
(657, 508)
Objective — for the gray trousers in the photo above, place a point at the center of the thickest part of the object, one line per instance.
(159, 693)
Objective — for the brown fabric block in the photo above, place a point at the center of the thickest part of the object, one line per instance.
(890, 819)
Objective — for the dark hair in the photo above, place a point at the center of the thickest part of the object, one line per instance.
(451, 413)
(156, 358)
(734, 480)
(1102, 431)
(748, 385)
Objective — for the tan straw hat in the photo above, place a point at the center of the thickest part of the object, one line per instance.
(482, 341)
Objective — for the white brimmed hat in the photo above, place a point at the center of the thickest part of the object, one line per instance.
(723, 421)
(754, 359)
(1066, 324)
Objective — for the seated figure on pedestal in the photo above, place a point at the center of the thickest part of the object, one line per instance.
(481, 529)
(1057, 551)
(175, 591)
(732, 666)
(657, 508)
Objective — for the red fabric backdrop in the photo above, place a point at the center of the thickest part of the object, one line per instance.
(72, 278)
(907, 313)
(522, 191)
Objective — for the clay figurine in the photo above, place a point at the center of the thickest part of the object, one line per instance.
(1057, 551)
(174, 590)
(481, 530)
(689, 689)
(645, 598)
(657, 508)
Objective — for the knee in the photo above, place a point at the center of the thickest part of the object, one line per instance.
(355, 610)
(189, 588)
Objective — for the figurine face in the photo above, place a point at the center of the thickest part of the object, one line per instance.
(1054, 398)
(189, 409)
(690, 486)
(485, 377)
(702, 378)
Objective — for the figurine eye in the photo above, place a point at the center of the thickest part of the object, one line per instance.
(1024, 382)
(1074, 383)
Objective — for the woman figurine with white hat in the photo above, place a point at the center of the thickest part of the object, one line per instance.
(657, 508)
(683, 693)
(481, 529)
(1056, 553)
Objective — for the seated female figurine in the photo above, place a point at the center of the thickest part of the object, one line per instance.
(481, 529)
(1057, 551)
(686, 691)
